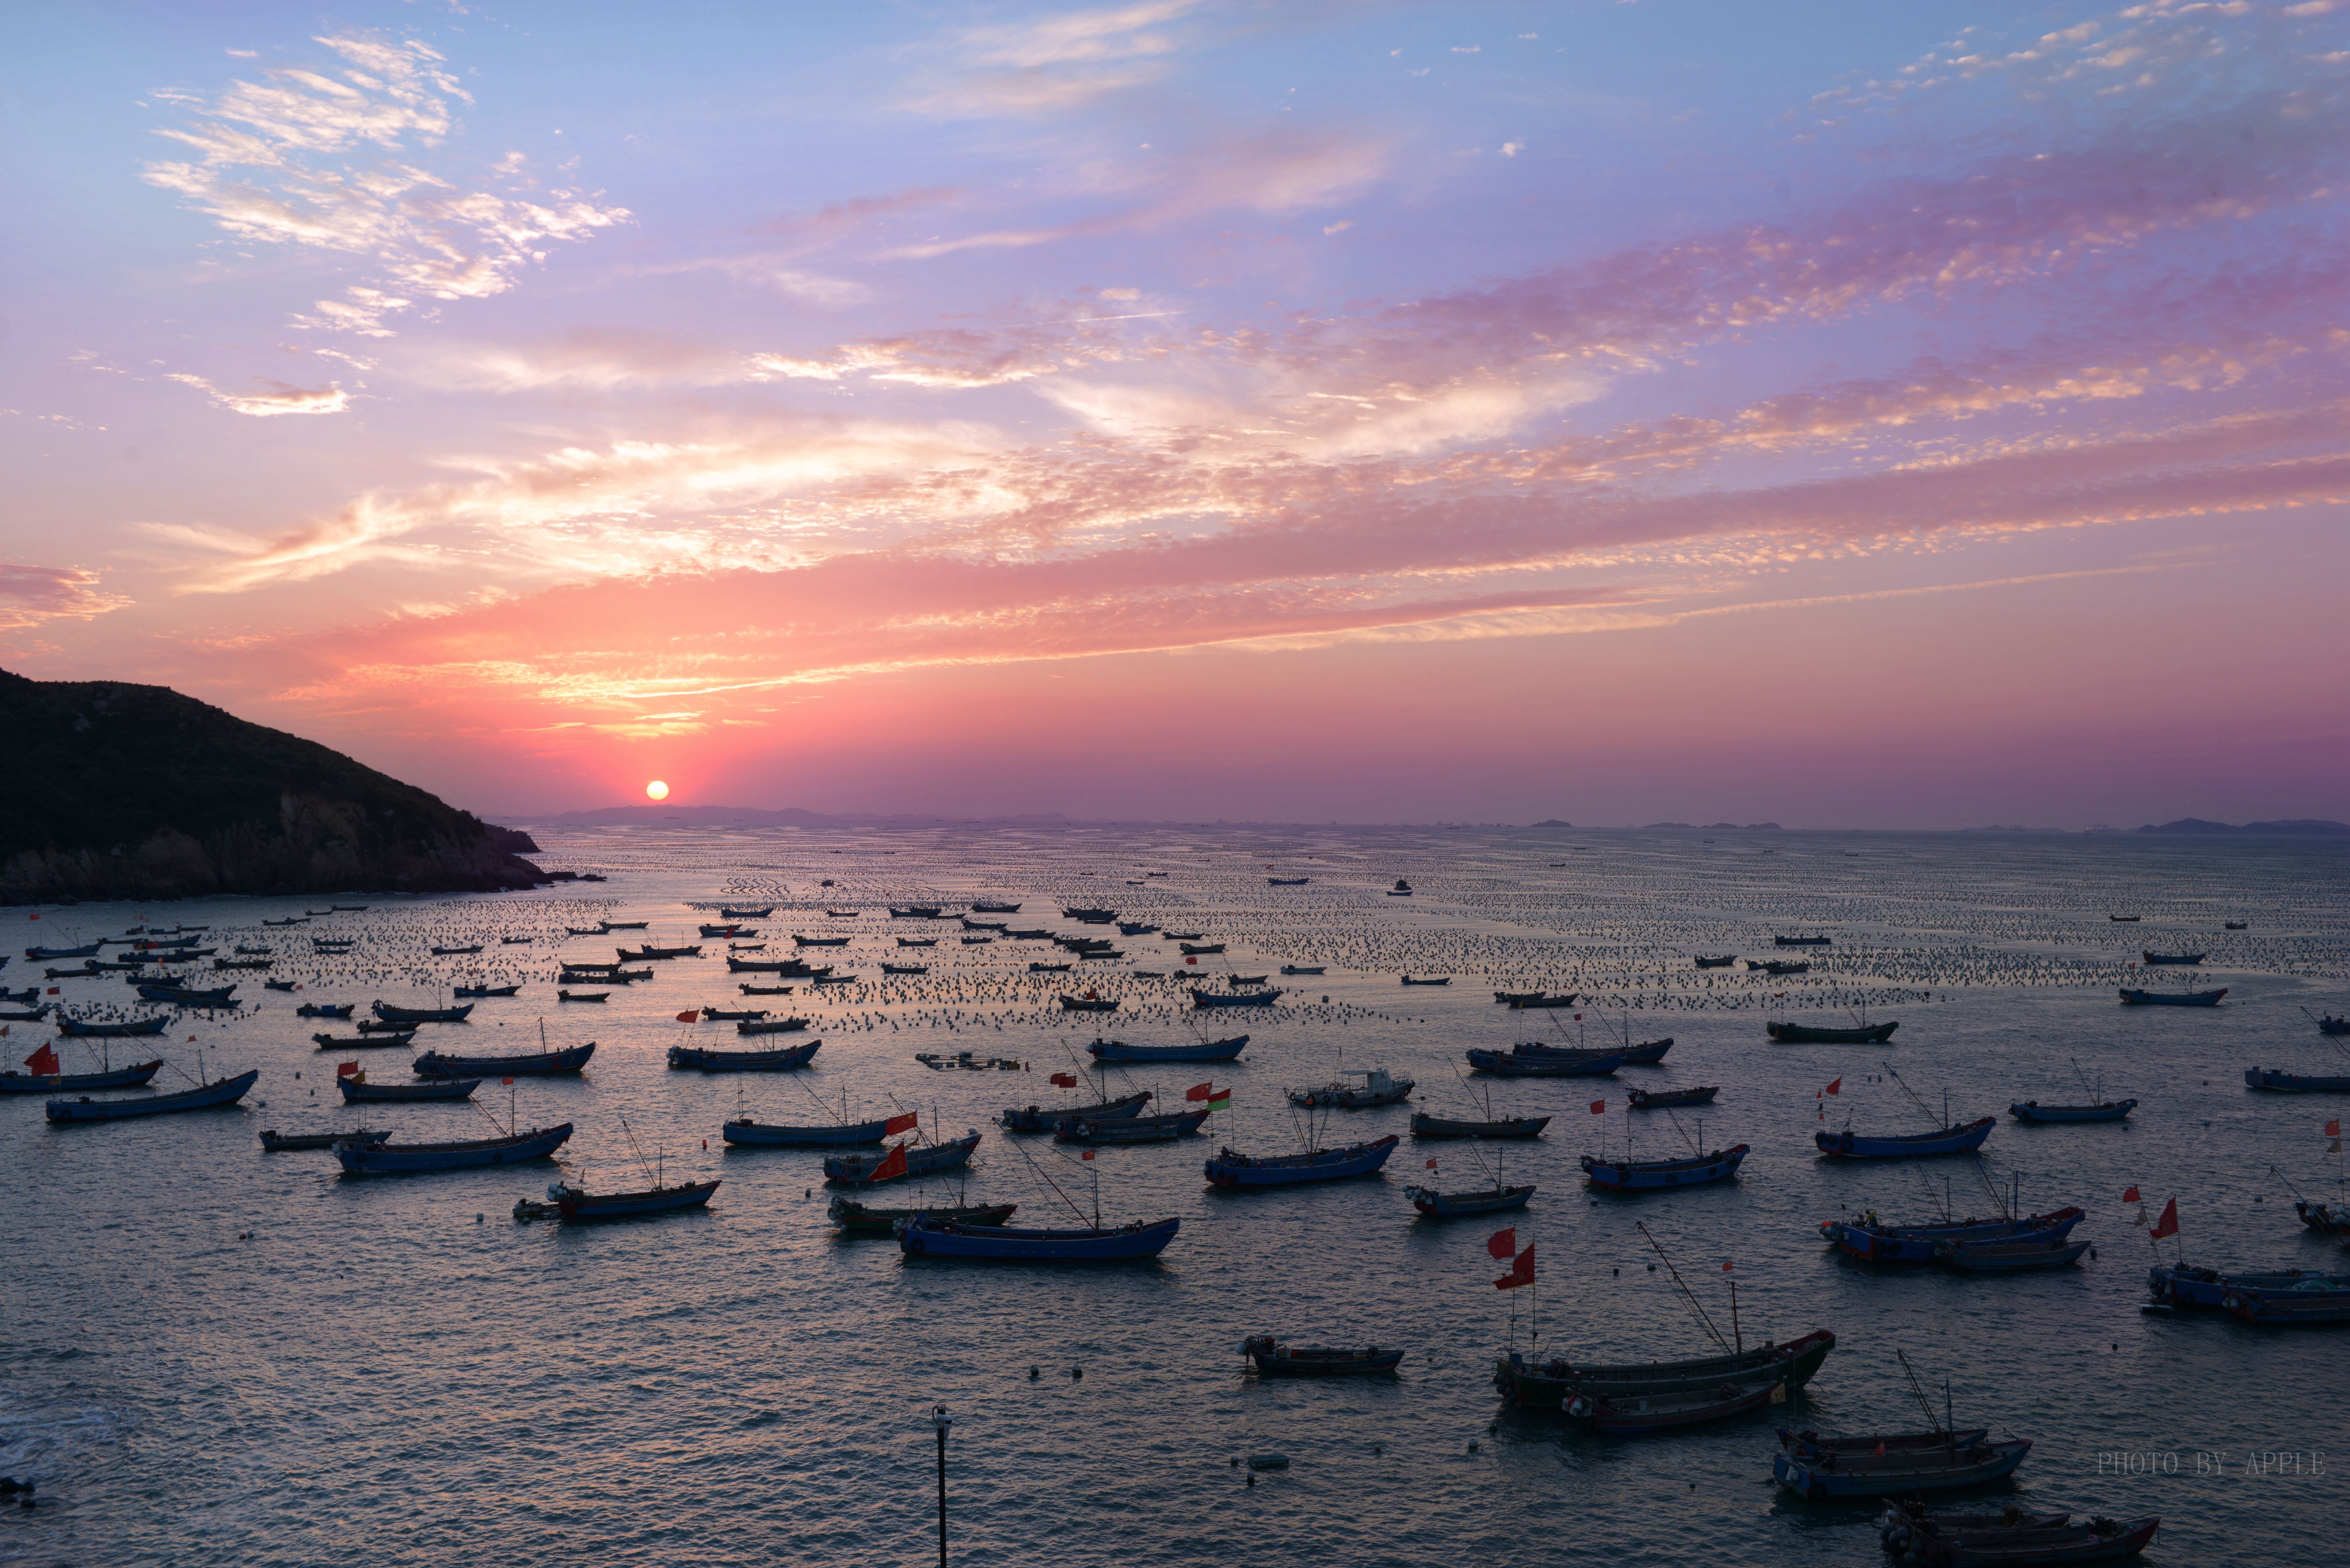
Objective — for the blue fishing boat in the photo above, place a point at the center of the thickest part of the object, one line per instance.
(1206, 1050)
(488, 990)
(221, 1091)
(1880, 1243)
(2172, 998)
(1234, 998)
(76, 1028)
(2285, 1083)
(925, 1237)
(1817, 1474)
(382, 1159)
(1849, 1145)
(1129, 1128)
(921, 1159)
(1036, 1119)
(538, 1064)
(391, 1014)
(577, 1203)
(2177, 1285)
(1510, 1064)
(356, 1088)
(732, 914)
(1230, 1169)
(2033, 1111)
(14, 1083)
(838, 1135)
(2310, 1301)
(2329, 1024)
(1645, 1052)
(2009, 1257)
(1658, 1174)
(1456, 1205)
(42, 955)
(783, 1061)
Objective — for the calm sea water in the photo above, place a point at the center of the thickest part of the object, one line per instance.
(396, 1371)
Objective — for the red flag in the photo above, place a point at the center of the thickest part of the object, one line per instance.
(892, 1164)
(44, 1063)
(1835, 1088)
(1191, 960)
(1881, 1450)
(2168, 1224)
(1598, 1107)
(1065, 1080)
(1432, 1165)
(896, 1125)
(688, 1016)
(1578, 1018)
(1522, 1272)
(1503, 1243)
(1087, 1154)
(2131, 1196)
(1200, 1091)
(2334, 1129)
(344, 1069)
(1725, 1265)
(504, 1083)
(53, 989)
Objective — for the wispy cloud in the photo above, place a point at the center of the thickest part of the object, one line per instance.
(268, 399)
(1052, 64)
(31, 594)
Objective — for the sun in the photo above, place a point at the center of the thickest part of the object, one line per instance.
(657, 789)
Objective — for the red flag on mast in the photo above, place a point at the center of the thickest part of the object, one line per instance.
(346, 1069)
(1835, 1088)
(892, 1164)
(2131, 1196)
(688, 1017)
(2334, 1129)
(44, 1063)
(2168, 1224)
(1200, 1091)
(896, 1125)
(1503, 1243)
(1522, 1272)
(1064, 1080)
(1598, 1107)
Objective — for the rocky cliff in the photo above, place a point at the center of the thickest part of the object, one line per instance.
(114, 791)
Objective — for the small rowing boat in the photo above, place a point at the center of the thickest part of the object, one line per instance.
(1274, 1359)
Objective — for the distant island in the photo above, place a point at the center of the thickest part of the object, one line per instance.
(117, 791)
(2302, 826)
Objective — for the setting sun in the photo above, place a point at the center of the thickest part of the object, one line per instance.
(658, 790)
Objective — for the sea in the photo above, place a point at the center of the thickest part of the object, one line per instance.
(210, 1354)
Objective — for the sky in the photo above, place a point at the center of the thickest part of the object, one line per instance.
(1891, 415)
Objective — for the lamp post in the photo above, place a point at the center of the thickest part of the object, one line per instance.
(941, 1420)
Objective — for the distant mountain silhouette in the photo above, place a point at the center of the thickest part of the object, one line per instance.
(115, 791)
(2296, 827)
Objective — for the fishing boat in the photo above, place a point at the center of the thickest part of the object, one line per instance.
(729, 930)
(2124, 920)
(356, 1088)
(1876, 1243)
(1228, 1169)
(1199, 949)
(988, 909)
(325, 1010)
(1088, 1003)
(1091, 917)
(488, 990)
(1657, 1175)
(1304, 969)
(771, 1026)
(1455, 1205)
(917, 912)
(220, 1092)
(454, 952)
(968, 1061)
(1803, 941)
(583, 996)
(1724, 961)
(1548, 1385)
(926, 1237)
(571, 1059)
(2309, 1301)
(1129, 1128)
(734, 1016)
(389, 1013)
(2179, 1285)
(382, 1026)
(1539, 1000)
(275, 1142)
(1274, 1359)
(1660, 1099)
(1234, 998)
(1425, 1125)
(78, 1029)
(286, 985)
(835, 1134)
(1511, 1065)
(2101, 1540)
(1378, 1088)
(2325, 1218)
(2171, 958)
(1849, 1145)
(867, 1220)
(1402, 889)
(577, 1203)
(181, 996)
(917, 942)
(2009, 1257)
(905, 968)
(1435, 979)
(43, 955)
(1647, 1051)
(384, 1158)
(2286, 1083)
(732, 914)
(648, 952)
(783, 1061)
(364, 1042)
(921, 1159)
(2172, 999)
(1811, 1034)
(1819, 1474)
(1285, 881)
(1034, 1119)
(2110, 1111)
(221, 963)
(1050, 968)
(14, 1083)
(792, 967)
(1202, 1050)
(1779, 966)
(1637, 1415)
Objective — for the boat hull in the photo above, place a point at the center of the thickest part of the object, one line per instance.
(434, 1064)
(855, 1134)
(1923, 1145)
(76, 1029)
(1459, 1205)
(73, 1083)
(1230, 1169)
(2170, 998)
(1897, 1474)
(925, 1238)
(1238, 998)
(1663, 1174)
(355, 1092)
(2009, 1257)
(1794, 1362)
(863, 1219)
(584, 1206)
(1915, 1244)
(1274, 1359)
(1507, 1064)
(921, 1161)
(1425, 1125)
(2032, 1111)
(783, 1060)
(2296, 1083)
(2185, 1287)
(390, 1015)
(1212, 1051)
(1806, 1034)
(226, 1092)
(414, 1159)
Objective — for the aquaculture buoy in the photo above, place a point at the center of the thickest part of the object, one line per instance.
(1076, 1373)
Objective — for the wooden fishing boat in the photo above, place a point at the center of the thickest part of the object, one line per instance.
(1129, 1128)
(384, 1027)
(358, 1158)
(749, 990)
(771, 1026)
(837, 1134)
(1378, 1088)
(540, 1063)
(1091, 917)
(275, 1142)
(792, 967)
(1511, 1065)
(181, 996)
(325, 1010)
(1849, 1145)
(363, 1041)
(989, 908)
(734, 1015)
(1456, 1205)
(727, 930)
(1548, 1385)
(2101, 1540)
(43, 955)
(1199, 949)
(1724, 961)
(1435, 979)
(927, 1237)
(1050, 968)
(968, 1061)
(1402, 889)
(220, 1092)
(2110, 1111)
(583, 996)
(1812, 1035)
(2152, 958)
(1647, 1051)
(1803, 941)
(866, 1220)
(1203, 1051)
(2329, 1024)
(1228, 1169)
(575, 1203)
(1274, 1359)
(1779, 966)
(1034, 1119)
(1425, 1125)
(2009, 1257)
(783, 1061)
(1659, 1175)
(2171, 999)
(1088, 1004)
(1538, 1000)
(1880, 1243)
(2314, 1301)
(286, 985)
(487, 989)
(79, 1029)
(389, 1013)
(840, 915)
(905, 968)
(1169, 936)
(1304, 969)
(2325, 1219)
(33, 1015)
(1659, 1099)
(454, 952)
(1284, 881)
(1637, 1415)
(921, 1159)
(2286, 1083)
(221, 963)
(1817, 1475)
(917, 942)
(648, 952)
(356, 1088)
(1234, 998)
(2178, 1285)
(1869, 1442)
(2124, 920)
(917, 912)
(14, 1083)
